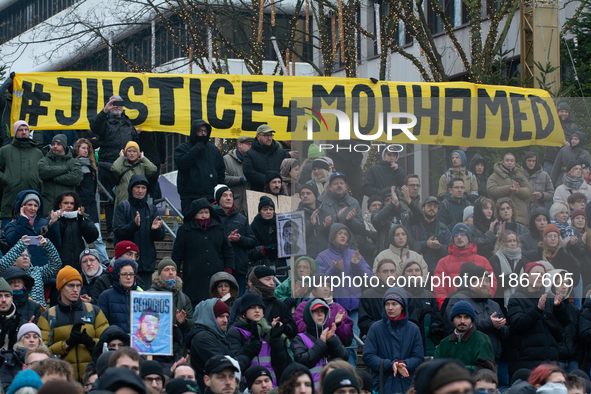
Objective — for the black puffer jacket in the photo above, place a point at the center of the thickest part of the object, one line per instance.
(381, 175)
(87, 188)
(482, 237)
(74, 232)
(265, 253)
(143, 236)
(114, 133)
(200, 164)
(259, 159)
(585, 333)
(531, 240)
(12, 364)
(535, 334)
(563, 260)
(24, 305)
(236, 221)
(215, 252)
(390, 215)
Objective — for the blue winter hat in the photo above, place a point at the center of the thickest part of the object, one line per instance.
(26, 378)
(462, 228)
(462, 307)
(462, 156)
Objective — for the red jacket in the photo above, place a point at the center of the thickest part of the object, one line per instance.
(450, 266)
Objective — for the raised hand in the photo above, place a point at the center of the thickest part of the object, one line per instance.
(138, 220)
(356, 258)
(339, 317)
(542, 301)
(181, 316)
(338, 264)
(313, 217)
(491, 228)
(351, 214)
(81, 211)
(157, 223)
(341, 212)
(42, 240)
(234, 236)
(327, 221)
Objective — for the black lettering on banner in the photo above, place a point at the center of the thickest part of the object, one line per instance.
(195, 95)
(464, 115)
(159, 305)
(541, 131)
(518, 117)
(138, 88)
(31, 102)
(166, 88)
(386, 104)
(107, 90)
(320, 94)
(75, 102)
(248, 106)
(420, 111)
(228, 116)
(91, 98)
(280, 110)
(369, 109)
(499, 102)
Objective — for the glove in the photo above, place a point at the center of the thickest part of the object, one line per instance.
(87, 340)
(76, 338)
(270, 250)
(252, 348)
(254, 330)
(278, 330)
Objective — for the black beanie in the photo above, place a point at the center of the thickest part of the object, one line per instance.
(572, 164)
(433, 375)
(366, 380)
(264, 201)
(270, 175)
(310, 185)
(339, 378)
(320, 163)
(373, 199)
(260, 271)
(219, 191)
(249, 300)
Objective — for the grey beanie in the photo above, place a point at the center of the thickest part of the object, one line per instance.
(61, 139)
(29, 197)
(86, 252)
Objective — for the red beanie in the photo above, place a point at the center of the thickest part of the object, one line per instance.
(577, 213)
(220, 308)
(125, 246)
(551, 228)
(533, 264)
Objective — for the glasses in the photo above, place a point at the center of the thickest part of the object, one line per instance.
(504, 199)
(126, 275)
(266, 135)
(459, 234)
(148, 380)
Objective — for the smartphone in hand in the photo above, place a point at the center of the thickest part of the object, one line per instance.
(119, 103)
(33, 240)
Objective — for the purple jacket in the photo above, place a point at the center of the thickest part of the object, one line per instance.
(348, 294)
(344, 330)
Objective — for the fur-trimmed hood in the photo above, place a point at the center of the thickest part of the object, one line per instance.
(159, 285)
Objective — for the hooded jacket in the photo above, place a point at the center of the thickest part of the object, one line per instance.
(224, 277)
(143, 236)
(216, 252)
(15, 230)
(200, 165)
(58, 173)
(110, 334)
(540, 182)
(309, 349)
(530, 240)
(180, 302)
(569, 153)
(123, 170)
(332, 204)
(450, 266)
(233, 220)
(76, 233)
(470, 181)
(391, 341)
(400, 255)
(347, 295)
(114, 132)
(344, 330)
(482, 237)
(535, 333)
(19, 164)
(115, 302)
(206, 340)
(568, 127)
(498, 187)
(382, 175)
(236, 180)
(481, 179)
(24, 305)
(283, 291)
(261, 158)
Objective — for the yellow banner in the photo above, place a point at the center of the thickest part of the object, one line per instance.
(297, 108)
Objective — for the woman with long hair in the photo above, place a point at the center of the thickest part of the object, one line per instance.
(507, 259)
(483, 226)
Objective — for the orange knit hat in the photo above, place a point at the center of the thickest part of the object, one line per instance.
(65, 275)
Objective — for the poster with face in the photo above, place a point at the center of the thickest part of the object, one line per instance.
(291, 239)
(151, 322)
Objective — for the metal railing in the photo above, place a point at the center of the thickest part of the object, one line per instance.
(104, 192)
(170, 205)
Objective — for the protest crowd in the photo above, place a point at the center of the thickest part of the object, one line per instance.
(484, 287)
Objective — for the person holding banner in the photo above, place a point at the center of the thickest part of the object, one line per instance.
(202, 231)
(72, 328)
(252, 323)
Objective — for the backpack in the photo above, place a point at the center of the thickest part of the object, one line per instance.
(449, 178)
(52, 318)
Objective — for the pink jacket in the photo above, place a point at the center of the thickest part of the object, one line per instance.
(344, 330)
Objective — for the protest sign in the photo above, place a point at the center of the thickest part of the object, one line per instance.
(151, 322)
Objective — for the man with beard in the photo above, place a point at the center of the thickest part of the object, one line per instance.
(432, 235)
(273, 183)
(10, 319)
(221, 375)
(146, 332)
(370, 304)
(208, 338)
(114, 130)
(91, 271)
(466, 344)
(258, 380)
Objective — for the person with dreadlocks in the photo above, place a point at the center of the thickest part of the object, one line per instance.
(252, 324)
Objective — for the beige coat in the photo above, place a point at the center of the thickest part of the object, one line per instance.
(498, 187)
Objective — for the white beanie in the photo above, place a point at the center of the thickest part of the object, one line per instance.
(26, 328)
(468, 211)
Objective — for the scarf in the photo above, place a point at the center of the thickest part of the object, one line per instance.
(263, 328)
(402, 316)
(260, 288)
(506, 169)
(203, 223)
(565, 229)
(460, 335)
(239, 155)
(508, 259)
(226, 297)
(31, 220)
(572, 183)
(98, 273)
(86, 165)
(265, 230)
(170, 283)
(9, 326)
(321, 184)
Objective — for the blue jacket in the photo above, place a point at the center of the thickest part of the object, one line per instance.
(393, 341)
(115, 302)
(15, 230)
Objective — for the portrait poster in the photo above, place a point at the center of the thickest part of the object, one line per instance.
(291, 237)
(283, 204)
(151, 322)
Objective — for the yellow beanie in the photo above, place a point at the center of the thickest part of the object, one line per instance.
(65, 275)
(132, 144)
